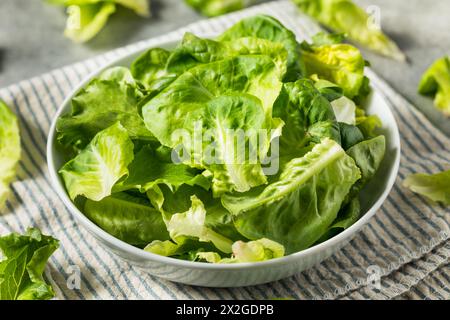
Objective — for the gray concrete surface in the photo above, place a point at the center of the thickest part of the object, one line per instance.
(32, 42)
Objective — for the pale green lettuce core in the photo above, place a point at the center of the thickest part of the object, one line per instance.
(238, 149)
(9, 149)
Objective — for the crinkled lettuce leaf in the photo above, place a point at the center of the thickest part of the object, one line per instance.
(436, 82)
(298, 209)
(9, 149)
(344, 16)
(193, 51)
(150, 66)
(112, 97)
(266, 27)
(128, 218)
(95, 170)
(24, 260)
(212, 8)
(435, 187)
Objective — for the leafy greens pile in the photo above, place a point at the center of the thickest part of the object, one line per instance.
(302, 103)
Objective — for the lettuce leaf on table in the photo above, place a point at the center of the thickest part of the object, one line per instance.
(87, 17)
(297, 209)
(9, 149)
(24, 260)
(212, 8)
(436, 82)
(345, 16)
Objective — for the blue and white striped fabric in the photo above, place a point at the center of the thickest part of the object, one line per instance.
(406, 242)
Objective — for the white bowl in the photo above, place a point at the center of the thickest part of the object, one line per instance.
(239, 274)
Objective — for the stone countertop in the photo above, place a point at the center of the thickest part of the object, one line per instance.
(32, 41)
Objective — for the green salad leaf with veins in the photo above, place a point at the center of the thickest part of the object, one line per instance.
(242, 148)
(23, 263)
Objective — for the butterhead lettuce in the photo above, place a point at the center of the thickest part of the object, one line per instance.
(242, 148)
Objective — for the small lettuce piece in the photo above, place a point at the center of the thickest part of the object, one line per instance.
(9, 149)
(212, 8)
(141, 7)
(266, 27)
(148, 170)
(327, 88)
(94, 171)
(435, 187)
(191, 224)
(340, 63)
(251, 251)
(128, 218)
(24, 260)
(112, 97)
(344, 16)
(85, 21)
(298, 209)
(436, 81)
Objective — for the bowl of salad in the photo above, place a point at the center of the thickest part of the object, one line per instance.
(226, 161)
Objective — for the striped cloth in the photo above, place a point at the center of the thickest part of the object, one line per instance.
(405, 244)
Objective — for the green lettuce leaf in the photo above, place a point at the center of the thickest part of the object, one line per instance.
(347, 216)
(367, 124)
(308, 116)
(211, 100)
(150, 66)
(344, 16)
(104, 101)
(94, 171)
(87, 17)
(128, 218)
(436, 81)
(266, 27)
(340, 63)
(9, 149)
(344, 110)
(297, 209)
(148, 170)
(24, 260)
(85, 21)
(212, 8)
(435, 187)
(191, 224)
